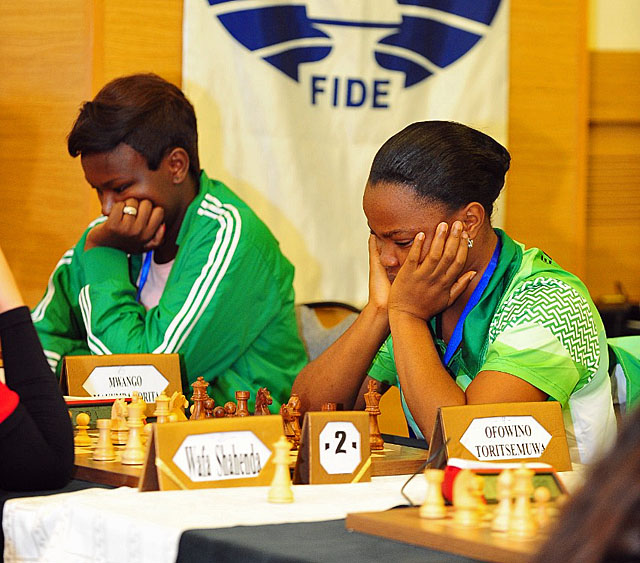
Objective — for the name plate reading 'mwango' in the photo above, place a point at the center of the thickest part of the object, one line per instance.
(119, 375)
(532, 431)
(215, 452)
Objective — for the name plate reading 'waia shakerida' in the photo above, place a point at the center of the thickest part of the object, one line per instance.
(214, 452)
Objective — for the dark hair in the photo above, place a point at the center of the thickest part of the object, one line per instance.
(144, 111)
(443, 162)
(601, 522)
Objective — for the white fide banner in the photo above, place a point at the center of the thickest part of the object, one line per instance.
(294, 98)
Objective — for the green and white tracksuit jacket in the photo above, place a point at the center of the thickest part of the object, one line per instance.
(227, 307)
(537, 322)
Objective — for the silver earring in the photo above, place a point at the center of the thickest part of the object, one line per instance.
(470, 243)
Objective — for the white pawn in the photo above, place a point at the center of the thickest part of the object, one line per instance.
(522, 522)
(162, 408)
(433, 506)
(104, 448)
(280, 490)
(502, 514)
(82, 438)
(134, 451)
(542, 496)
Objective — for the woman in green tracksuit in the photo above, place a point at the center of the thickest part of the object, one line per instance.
(178, 263)
(458, 312)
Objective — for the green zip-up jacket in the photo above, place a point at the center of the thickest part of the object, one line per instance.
(227, 307)
(536, 321)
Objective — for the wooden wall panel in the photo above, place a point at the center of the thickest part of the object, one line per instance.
(613, 204)
(546, 195)
(614, 209)
(139, 36)
(46, 69)
(615, 87)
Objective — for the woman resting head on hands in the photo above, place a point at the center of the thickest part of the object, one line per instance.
(458, 312)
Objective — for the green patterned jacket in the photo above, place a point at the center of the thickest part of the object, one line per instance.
(535, 321)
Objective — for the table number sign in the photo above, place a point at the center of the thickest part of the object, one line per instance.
(334, 448)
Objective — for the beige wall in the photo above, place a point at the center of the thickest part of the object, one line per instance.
(614, 25)
(57, 53)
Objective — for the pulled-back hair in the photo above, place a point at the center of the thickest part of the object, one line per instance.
(443, 162)
(144, 111)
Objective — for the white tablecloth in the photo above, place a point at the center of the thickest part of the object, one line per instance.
(123, 525)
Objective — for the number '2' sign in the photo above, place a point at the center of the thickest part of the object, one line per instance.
(340, 448)
(334, 448)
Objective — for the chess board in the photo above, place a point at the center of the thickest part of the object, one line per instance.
(393, 460)
(405, 525)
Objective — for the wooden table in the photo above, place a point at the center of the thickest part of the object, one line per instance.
(405, 525)
(393, 460)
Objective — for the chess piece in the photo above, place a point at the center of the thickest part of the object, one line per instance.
(542, 496)
(502, 513)
(263, 400)
(134, 452)
(219, 412)
(433, 506)
(372, 400)
(286, 412)
(242, 397)
(294, 404)
(119, 430)
(230, 409)
(209, 405)
(280, 490)
(136, 397)
(104, 448)
(177, 404)
(522, 522)
(465, 499)
(329, 407)
(199, 397)
(162, 408)
(82, 438)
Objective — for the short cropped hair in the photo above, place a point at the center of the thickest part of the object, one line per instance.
(443, 162)
(143, 111)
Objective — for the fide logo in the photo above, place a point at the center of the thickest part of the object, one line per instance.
(406, 40)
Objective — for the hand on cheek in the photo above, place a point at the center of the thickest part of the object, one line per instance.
(432, 278)
(133, 232)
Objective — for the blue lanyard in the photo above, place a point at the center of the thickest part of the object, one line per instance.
(456, 337)
(144, 273)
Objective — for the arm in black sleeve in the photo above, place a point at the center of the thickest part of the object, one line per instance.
(36, 440)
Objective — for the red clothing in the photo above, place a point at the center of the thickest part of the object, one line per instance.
(8, 401)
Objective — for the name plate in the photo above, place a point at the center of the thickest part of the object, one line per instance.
(503, 432)
(209, 453)
(334, 448)
(119, 375)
